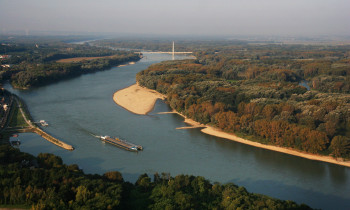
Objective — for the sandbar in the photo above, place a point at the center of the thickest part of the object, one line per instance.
(137, 99)
(141, 100)
(78, 59)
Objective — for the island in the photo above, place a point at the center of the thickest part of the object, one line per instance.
(258, 97)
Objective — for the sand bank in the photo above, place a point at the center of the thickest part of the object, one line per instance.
(79, 59)
(141, 100)
(215, 132)
(130, 63)
(137, 99)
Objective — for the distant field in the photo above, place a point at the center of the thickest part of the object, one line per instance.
(78, 59)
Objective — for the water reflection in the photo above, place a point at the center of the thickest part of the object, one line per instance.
(289, 164)
(319, 200)
(305, 83)
(338, 174)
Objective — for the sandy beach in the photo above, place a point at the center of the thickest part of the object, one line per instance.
(78, 59)
(140, 100)
(137, 99)
(215, 132)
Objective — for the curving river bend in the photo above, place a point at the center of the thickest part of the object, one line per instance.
(77, 108)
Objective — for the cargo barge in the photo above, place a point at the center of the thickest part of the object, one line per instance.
(121, 143)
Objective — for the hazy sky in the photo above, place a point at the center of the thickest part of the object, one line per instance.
(179, 17)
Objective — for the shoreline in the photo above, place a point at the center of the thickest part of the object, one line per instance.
(210, 130)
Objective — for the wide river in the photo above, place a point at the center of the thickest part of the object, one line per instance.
(82, 106)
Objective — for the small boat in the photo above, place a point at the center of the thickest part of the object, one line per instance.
(43, 123)
(16, 143)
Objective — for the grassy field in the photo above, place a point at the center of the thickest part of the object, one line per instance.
(17, 119)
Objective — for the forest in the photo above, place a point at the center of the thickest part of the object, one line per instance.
(294, 96)
(32, 62)
(45, 182)
(165, 44)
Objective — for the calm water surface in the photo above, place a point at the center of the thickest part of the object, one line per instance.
(77, 108)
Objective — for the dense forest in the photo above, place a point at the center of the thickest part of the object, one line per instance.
(32, 62)
(44, 182)
(261, 92)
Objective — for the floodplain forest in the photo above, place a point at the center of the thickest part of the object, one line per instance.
(290, 96)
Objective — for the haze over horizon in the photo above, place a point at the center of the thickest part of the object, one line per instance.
(191, 17)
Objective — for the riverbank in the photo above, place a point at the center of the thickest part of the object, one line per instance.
(69, 68)
(141, 100)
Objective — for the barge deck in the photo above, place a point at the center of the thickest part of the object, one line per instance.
(121, 143)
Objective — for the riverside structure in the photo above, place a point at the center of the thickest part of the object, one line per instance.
(35, 129)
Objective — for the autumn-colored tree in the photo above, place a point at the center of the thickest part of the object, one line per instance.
(227, 121)
(246, 122)
(315, 142)
(331, 128)
(114, 176)
(269, 112)
(340, 146)
(277, 131)
(261, 128)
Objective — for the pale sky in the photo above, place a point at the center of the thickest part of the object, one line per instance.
(179, 17)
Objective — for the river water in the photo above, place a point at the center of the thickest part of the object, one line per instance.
(77, 108)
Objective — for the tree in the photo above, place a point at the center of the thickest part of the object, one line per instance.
(316, 141)
(82, 195)
(269, 112)
(340, 146)
(114, 176)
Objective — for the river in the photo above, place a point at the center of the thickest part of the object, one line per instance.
(82, 106)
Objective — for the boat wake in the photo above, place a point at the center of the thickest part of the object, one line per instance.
(95, 135)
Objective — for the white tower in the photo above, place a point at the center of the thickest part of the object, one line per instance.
(173, 50)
